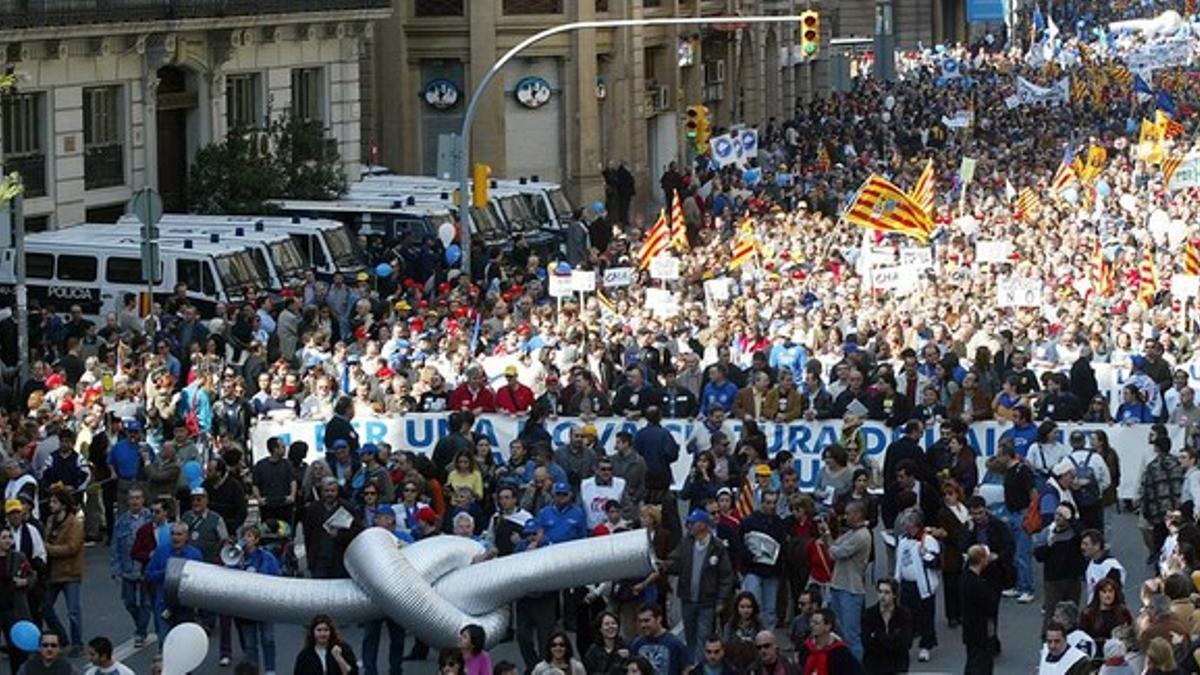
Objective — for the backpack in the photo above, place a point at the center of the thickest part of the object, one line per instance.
(1087, 492)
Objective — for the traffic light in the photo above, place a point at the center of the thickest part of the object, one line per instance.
(703, 131)
(810, 33)
(481, 176)
(697, 126)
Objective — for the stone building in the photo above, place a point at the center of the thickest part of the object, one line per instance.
(606, 94)
(114, 95)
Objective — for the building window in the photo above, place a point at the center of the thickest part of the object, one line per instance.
(533, 7)
(650, 4)
(438, 8)
(104, 155)
(307, 99)
(21, 117)
(243, 102)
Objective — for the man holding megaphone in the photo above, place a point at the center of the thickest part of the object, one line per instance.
(254, 635)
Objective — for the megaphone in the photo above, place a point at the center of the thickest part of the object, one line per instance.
(233, 554)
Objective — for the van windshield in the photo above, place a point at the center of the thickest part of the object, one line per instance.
(485, 221)
(562, 204)
(238, 272)
(288, 259)
(345, 253)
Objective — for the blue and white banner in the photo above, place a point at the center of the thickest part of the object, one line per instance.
(419, 433)
(749, 139)
(979, 11)
(725, 150)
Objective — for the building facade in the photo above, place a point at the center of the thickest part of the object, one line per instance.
(116, 95)
(574, 102)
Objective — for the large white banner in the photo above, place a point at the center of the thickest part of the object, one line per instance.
(1029, 93)
(1165, 54)
(420, 432)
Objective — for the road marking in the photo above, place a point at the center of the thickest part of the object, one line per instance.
(126, 649)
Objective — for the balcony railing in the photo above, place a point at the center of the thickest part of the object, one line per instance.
(39, 13)
(33, 173)
(104, 166)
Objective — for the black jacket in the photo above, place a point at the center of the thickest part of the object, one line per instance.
(307, 662)
(999, 540)
(885, 646)
(1062, 558)
(716, 572)
(980, 602)
(339, 428)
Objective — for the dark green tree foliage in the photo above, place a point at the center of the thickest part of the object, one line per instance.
(293, 159)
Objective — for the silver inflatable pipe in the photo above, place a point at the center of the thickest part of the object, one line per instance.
(567, 565)
(431, 588)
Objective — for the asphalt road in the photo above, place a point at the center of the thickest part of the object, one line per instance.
(104, 615)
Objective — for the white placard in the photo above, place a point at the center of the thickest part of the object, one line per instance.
(917, 257)
(902, 278)
(560, 286)
(993, 250)
(1019, 293)
(583, 281)
(664, 268)
(718, 290)
(618, 276)
(1185, 286)
(662, 302)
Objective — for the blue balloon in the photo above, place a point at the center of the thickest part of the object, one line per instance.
(563, 267)
(193, 473)
(453, 254)
(1103, 188)
(26, 636)
(383, 270)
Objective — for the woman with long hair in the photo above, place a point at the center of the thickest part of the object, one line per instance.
(559, 656)
(471, 641)
(701, 485)
(464, 472)
(325, 653)
(949, 524)
(608, 654)
(738, 634)
(1105, 612)
(1133, 408)
(1103, 448)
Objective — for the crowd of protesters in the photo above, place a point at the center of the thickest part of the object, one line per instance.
(134, 433)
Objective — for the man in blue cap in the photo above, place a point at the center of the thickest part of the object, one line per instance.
(385, 517)
(701, 561)
(563, 520)
(127, 458)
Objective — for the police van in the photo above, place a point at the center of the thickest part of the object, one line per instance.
(326, 244)
(74, 267)
(276, 254)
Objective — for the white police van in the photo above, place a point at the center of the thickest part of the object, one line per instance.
(75, 267)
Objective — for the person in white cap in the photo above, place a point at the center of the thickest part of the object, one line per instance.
(1058, 490)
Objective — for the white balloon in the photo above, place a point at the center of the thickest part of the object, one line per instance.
(885, 116)
(889, 102)
(1127, 202)
(1159, 222)
(446, 234)
(184, 649)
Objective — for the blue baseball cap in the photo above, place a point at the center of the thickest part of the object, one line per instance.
(699, 516)
(385, 510)
(368, 449)
(561, 488)
(133, 424)
(341, 443)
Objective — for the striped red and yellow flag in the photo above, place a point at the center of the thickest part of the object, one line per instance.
(1170, 164)
(883, 207)
(1063, 177)
(678, 225)
(655, 242)
(1147, 279)
(1191, 257)
(744, 247)
(1028, 203)
(1085, 54)
(922, 192)
(745, 500)
(1103, 277)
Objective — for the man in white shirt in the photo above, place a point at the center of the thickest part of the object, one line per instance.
(1058, 657)
(1091, 480)
(598, 490)
(100, 655)
(1101, 564)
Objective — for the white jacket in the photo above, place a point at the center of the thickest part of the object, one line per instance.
(913, 563)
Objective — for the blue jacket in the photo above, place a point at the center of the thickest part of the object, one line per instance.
(125, 530)
(562, 525)
(718, 396)
(126, 459)
(261, 561)
(1022, 438)
(202, 402)
(657, 446)
(156, 571)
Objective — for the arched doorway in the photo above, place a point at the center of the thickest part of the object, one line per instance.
(175, 99)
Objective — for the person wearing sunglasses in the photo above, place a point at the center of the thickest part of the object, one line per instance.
(49, 659)
(559, 657)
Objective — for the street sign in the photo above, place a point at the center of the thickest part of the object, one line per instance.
(148, 208)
